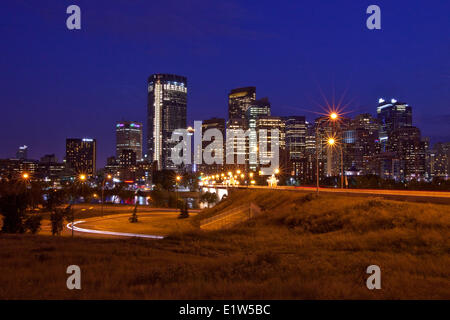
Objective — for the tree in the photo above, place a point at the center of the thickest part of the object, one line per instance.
(17, 197)
(158, 196)
(13, 208)
(184, 211)
(165, 178)
(209, 198)
(57, 219)
(55, 198)
(134, 217)
(33, 223)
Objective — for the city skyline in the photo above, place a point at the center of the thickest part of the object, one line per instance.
(364, 65)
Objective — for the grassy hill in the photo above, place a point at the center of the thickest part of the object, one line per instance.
(300, 247)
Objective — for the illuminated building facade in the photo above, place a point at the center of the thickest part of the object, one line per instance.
(22, 153)
(260, 107)
(219, 124)
(391, 116)
(236, 144)
(406, 142)
(81, 155)
(239, 100)
(129, 137)
(295, 127)
(166, 112)
(439, 162)
(270, 123)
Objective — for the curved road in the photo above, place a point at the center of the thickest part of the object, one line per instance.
(110, 233)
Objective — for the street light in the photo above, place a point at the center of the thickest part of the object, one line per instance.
(178, 179)
(82, 177)
(103, 189)
(332, 142)
(333, 116)
(277, 171)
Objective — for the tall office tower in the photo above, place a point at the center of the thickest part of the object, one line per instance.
(167, 102)
(269, 123)
(295, 136)
(406, 142)
(129, 137)
(239, 100)
(22, 153)
(236, 144)
(296, 127)
(310, 140)
(361, 144)
(258, 108)
(392, 115)
(440, 161)
(219, 124)
(81, 155)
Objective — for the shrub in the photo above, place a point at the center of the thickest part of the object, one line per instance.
(33, 223)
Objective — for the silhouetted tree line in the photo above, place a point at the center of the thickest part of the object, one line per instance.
(372, 181)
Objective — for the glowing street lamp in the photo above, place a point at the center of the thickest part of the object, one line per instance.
(178, 179)
(109, 177)
(331, 141)
(333, 116)
(25, 175)
(277, 171)
(82, 177)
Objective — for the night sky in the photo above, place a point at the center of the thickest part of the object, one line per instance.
(56, 83)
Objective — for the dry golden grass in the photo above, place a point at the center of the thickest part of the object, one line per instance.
(301, 247)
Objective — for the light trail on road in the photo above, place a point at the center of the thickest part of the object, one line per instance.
(110, 233)
(412, 193)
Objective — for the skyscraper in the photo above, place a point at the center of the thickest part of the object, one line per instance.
(258, 108)
(219, 124)
(236, 144)
(295, 136)
(361, 144)
(440, 162)
(392, 115)
(22, 153)
(81, 155)
(239, 100)
(406, 142)
(167, 102)
(129, 137)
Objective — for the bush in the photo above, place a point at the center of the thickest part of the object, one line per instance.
(57, 219)
(33, 223)
(13, 208)
(184, 211)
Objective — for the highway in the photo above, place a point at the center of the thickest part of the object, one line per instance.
(442, 197)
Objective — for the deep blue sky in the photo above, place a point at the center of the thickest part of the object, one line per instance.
(56, 83)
